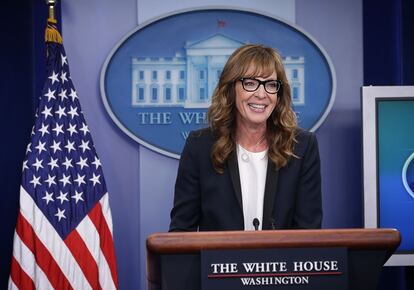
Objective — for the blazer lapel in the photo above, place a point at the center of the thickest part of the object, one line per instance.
(235, 177)
(269, 195)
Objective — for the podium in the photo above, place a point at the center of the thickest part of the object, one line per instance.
(174, 258)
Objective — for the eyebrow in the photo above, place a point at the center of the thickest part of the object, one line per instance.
(264, 78)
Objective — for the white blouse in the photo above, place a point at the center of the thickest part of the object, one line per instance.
(252, 169)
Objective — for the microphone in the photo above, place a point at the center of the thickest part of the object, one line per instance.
(272, 223)
(256, 224)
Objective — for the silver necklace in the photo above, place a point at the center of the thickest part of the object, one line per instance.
(245, 155)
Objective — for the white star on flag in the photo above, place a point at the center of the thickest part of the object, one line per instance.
(55, 147)
(73, 112)
(58, 129)
(84, 146)
(84, 129)
(35, 181)
(38, 164)
(62, 95)
(73, 95)
(48, 197)
(50, 95)
(95, 179)
(69, 146)
(60, 214)
(77, 196)
(50, 180)
(97, 162)
(25, 165)
(44, 129)
(63, 59)
(41, 146)
(72, 129)
(61, 112)
(80, 180)
(54, 77)
(82, 162)
(65, 180)
(47, 112)
(67, 163)
(28, 148)
(63, 77)
(62, 197)
(53, 163)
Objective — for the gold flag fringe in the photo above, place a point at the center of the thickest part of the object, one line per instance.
(51, 33)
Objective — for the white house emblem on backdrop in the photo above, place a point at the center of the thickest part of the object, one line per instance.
(189, 80)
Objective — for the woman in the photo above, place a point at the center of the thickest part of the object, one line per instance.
(253, 168)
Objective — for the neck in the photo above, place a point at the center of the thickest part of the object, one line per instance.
(252, 138)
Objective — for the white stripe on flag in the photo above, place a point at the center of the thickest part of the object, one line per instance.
(12, 286)
(52, 241)
(90, 236)
(27, 262)
(106, 210)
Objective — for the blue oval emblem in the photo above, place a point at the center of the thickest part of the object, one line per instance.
(157, 82)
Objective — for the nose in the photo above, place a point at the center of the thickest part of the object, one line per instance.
(261, 92)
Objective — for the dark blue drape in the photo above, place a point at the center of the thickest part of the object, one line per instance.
(22, 56)
(389, 60)
(388, 42)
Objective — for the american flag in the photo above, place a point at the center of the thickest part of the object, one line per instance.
(63, 237)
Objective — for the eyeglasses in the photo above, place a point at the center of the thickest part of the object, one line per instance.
(270, 86)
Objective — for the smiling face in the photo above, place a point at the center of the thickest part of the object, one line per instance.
(254, 108)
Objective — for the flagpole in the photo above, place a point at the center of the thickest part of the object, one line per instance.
(51, 33)
(51, 4)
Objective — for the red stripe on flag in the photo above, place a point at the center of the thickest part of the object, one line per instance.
(84, 258)
(19, 276)
(106, 241)
(43, 258)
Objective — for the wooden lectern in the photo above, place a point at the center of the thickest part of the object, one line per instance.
(368, 250)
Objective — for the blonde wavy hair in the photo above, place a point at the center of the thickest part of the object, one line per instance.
(281, 125)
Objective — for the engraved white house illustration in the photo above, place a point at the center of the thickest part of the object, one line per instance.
(189, 80)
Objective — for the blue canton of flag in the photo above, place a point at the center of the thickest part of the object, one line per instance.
(62, 172)
(63, 237)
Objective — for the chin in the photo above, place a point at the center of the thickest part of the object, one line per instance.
(257, 121)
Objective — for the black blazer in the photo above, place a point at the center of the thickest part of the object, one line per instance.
(209, 201)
